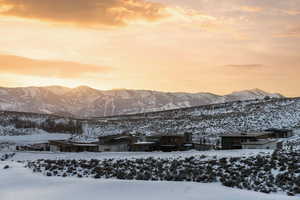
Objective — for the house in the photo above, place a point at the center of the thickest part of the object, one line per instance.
(173, 141)
(70, 146)
(256, 140)
(163, 142)
(115, 143)
(234, 141)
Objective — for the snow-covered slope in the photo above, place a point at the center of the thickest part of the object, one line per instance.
(232, 117)
(250, 94)
(18, 123)
(82, 102)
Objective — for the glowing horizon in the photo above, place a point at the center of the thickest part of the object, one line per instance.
(162, 45)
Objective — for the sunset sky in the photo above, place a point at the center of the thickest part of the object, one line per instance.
(216, 46)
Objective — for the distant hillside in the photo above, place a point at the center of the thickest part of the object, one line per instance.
(85, 102)
(208, 120)
(18, 123)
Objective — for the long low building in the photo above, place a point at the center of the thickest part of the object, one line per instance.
(68, 146)
(255, 140)
(262, 144)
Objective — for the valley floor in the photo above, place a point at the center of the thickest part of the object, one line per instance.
(19, 183)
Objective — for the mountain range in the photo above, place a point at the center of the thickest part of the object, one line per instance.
(86, 102)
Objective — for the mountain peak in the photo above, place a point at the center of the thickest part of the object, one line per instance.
(257, 90)
(251, 94)
(83, 87)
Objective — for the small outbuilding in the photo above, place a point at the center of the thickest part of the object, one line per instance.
(235, 141)
(258, 140)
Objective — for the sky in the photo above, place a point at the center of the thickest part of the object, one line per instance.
(167, 45)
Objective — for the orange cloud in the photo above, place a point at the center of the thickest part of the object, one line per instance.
(88, 13)
(10, 64)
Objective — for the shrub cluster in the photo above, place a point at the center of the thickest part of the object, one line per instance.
(6, 156)
(278, 172)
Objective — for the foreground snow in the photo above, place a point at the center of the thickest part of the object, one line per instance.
(19, 183)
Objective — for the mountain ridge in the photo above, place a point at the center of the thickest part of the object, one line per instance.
(86, 102)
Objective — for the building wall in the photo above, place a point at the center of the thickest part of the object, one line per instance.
(54, 148)
(142, 148)
(231, 143)
(202, 147)
(172, 140)
(271, 145)
(114, 147)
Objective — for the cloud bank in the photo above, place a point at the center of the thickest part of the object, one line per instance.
(10, 64)
(87, 13)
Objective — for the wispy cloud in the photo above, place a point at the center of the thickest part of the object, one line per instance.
(251, 9)
(291, 12)
(245, 65)
(292, 32)
(10, 64)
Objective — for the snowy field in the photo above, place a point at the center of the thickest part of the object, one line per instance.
(33, 139)
(19, 183)
(23, 156)
(8, 143)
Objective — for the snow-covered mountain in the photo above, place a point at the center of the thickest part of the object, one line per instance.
(83, 101)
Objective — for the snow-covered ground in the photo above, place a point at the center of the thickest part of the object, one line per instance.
(19, 183)
(9, 143)
(292, 143)
(33, 139)
(22, 156)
